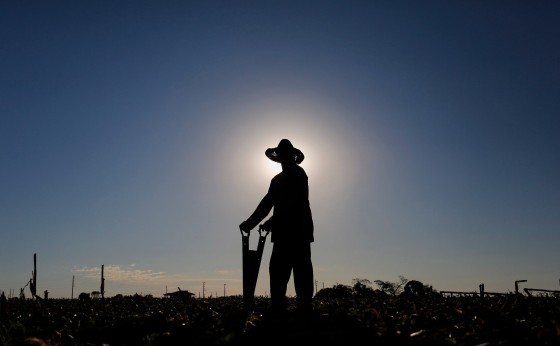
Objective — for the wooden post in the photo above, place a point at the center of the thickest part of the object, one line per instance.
(517, 285)
(102, 283)
(33, 282)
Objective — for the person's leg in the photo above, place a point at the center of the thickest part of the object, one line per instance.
(303, 276)
(280, 269)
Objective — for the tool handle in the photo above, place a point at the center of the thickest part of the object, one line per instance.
(243, 233)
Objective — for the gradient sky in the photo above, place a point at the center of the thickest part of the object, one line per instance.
(132, 135)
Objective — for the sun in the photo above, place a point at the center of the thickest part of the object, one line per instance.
(271, 167)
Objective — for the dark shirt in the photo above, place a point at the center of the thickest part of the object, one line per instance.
(288, 194)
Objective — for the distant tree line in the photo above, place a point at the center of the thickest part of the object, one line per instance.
(363, 288)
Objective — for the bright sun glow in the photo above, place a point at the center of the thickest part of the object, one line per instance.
(331, 149)
(272, 167)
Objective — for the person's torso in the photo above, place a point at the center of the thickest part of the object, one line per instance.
(292, 212)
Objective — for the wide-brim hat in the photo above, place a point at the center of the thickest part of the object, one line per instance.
(285, 152)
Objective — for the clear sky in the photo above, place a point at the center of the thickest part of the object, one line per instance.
(132, 135)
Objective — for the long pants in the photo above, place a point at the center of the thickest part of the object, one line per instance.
(285, 258)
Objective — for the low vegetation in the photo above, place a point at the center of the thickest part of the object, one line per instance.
(342, 315)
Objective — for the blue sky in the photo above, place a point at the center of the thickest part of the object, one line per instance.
(132, 135)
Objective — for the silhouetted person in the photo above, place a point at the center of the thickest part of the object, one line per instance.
(291, 227)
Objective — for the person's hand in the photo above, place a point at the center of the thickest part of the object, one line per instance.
(267, 226)
(244, 227)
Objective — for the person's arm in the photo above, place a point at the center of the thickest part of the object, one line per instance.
(263, 209)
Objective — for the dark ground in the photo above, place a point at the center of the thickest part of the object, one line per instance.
(375, 320)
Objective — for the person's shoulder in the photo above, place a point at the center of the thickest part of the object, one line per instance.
(277, 177)
(301, 170)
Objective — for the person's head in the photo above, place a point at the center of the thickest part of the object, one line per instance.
(285, 153)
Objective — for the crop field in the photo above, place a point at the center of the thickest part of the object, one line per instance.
(375, 319)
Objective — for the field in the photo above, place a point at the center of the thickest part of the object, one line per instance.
(376, 319)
